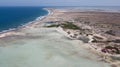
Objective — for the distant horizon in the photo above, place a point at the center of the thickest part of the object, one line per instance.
(59, 2)
(61, 6)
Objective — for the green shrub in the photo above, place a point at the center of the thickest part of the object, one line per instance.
(69, 25)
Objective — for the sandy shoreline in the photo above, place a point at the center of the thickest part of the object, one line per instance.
(58, 16)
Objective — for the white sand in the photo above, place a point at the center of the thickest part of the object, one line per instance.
(46, 48)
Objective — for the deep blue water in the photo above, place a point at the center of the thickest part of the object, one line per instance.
(12, 17)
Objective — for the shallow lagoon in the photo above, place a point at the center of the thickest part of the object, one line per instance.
(46, 48)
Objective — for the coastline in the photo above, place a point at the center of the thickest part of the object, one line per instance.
(42, 17)
(37, 23)
(26, 24)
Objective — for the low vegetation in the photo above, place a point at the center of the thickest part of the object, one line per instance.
(69, 25)
(111, 50)
(110, 32)
(66, 25)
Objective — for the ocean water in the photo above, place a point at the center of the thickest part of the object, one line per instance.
(12, 17)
